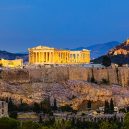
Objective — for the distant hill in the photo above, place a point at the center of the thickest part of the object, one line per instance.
(12, 56)
(118, 55)
(98, 50)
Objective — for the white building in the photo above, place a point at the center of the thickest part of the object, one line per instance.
(116, 109)
(3, 109)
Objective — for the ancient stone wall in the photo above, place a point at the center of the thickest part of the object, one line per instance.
(118, 76)
(15, 76)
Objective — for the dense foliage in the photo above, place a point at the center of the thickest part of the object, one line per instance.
(9, 123)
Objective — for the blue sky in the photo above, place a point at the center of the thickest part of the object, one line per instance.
(61, 23)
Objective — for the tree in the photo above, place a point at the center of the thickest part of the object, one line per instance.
(55, 104)
(40, 119)
(126, 121)
(23, 107)
(111, 106)
(106, 107)
(13, 114)
(9, 123)
(36, 107)
(30, 125)
(66, 108)
(46, 106)
(106, 61)
(89, 104)
(11, 105)
(107, 125)
(63, 125)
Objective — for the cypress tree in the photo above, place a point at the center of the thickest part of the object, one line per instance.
(55, 105)
(89, 104)
(106, 107)
(111, 106)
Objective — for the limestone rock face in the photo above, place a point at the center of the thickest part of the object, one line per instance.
(69, 85)
(98, 93)
(120, 49)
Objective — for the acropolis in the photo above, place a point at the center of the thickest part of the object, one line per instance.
(48, 55)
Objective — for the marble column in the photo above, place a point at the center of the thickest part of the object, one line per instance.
(42, 57)
(50, 57)
(35, 57)
(46, 57)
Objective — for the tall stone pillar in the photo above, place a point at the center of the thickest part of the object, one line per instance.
(39, 57)
(50, 57)
(46, 57)
(32, 57)
(65, 57)
(75, 58)
(35, 57)
(42, 57)
(60, 57)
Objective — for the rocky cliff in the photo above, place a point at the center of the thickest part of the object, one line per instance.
(69, 85)
(118, 55)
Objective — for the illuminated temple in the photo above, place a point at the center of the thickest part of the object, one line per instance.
(17, 63)
(48, 55)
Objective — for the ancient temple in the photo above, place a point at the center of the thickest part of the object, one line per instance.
(48, 55)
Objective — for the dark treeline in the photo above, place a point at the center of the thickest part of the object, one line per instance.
(9, 123)
(42, 107)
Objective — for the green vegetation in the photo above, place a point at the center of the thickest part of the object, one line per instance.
(106, 61)
(126, 121)
(104, 81)
(9, 123)
(109, 107)
(89, 104)
(66, 108)
(52, 123)
(108, 125)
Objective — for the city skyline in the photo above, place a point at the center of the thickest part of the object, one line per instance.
(61, 24)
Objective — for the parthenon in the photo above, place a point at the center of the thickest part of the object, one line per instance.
(48, 55)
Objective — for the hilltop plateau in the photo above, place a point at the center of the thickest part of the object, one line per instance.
(69, 85)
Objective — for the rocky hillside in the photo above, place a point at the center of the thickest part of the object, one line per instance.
(118, 55)
(122, 49)
(69, 85)
(98, 50)
(12, 56)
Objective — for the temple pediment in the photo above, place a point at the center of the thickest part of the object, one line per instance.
(42, 48)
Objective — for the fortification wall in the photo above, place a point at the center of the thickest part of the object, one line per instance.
(119, 76)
